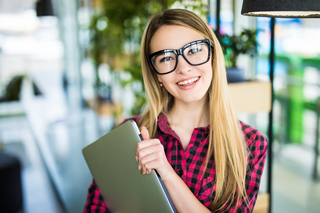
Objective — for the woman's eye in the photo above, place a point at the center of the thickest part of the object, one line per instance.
(165, 59)
(194, 50)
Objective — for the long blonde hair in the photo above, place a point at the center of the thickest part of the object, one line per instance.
(226, 140)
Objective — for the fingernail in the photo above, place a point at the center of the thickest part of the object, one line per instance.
(139, 167)
(137, 158)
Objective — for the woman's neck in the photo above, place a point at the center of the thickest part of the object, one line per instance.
(191, 115)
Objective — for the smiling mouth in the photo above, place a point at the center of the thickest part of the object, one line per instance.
(188, 82)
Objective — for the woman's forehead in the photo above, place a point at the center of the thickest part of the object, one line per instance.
(173, 37)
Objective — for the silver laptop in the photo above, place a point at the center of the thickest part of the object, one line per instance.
(111, 160)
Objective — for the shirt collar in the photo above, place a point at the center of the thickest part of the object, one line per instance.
(164, 127)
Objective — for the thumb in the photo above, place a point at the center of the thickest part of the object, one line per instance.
(144, 133)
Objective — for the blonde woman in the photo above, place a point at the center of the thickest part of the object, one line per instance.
(208, 160)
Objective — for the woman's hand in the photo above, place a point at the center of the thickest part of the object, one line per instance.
(150, 154)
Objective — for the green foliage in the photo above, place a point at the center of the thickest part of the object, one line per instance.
(233, 46)
(116, 31)
(119, 23)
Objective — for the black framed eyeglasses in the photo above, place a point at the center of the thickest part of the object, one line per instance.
(195, 53)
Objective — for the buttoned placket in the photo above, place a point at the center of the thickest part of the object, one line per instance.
(187, 156)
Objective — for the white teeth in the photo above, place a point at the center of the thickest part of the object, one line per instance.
(188, 81)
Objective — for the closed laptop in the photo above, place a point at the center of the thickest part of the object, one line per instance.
(111, 160)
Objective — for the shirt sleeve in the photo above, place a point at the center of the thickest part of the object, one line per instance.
(95, 202)
(256, 159)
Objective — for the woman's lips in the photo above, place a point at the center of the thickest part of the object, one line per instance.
(188, 81)
(188, 84)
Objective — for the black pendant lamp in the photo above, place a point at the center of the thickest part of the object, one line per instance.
(282, 8)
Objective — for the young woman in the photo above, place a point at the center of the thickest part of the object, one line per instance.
(208, 160)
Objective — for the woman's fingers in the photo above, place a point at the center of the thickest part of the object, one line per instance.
(149, 153)
(148, 148)
(145, 136)
(145, 133)
(146, 144)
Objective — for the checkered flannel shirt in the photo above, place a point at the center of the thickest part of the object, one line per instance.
(188, 164)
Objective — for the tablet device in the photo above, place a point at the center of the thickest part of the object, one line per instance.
(111, 160)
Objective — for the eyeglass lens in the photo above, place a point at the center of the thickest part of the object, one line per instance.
(195, 54)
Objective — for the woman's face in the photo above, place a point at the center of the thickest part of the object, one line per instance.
(187, 83)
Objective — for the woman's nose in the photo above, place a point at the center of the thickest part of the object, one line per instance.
(183, 66)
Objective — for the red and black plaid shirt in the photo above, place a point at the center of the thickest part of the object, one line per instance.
(188, 164)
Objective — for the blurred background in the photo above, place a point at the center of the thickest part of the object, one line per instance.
(70, 72)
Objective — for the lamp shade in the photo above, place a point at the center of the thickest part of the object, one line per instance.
(282, 8)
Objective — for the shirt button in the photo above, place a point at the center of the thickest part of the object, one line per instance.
(192, 150)
(180, 172)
